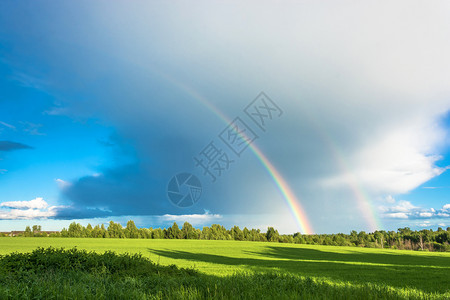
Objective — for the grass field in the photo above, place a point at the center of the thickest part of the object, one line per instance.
(406, 273)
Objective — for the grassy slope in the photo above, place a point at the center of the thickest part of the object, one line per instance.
(428, 272)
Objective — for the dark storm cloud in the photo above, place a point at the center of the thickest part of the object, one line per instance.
(137, 188)
(125, 190)
(69, 213)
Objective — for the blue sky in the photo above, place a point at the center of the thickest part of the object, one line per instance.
(101, 104)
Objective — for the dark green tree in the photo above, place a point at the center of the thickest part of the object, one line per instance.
(237, 234)
(157, 233)
(272, 235)
(131, 231)
(75, 230)
(173, 232)
(188, 232)
(115, 230)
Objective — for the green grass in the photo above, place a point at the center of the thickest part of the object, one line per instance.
(265, 269)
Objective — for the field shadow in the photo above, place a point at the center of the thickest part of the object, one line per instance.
(399, 259)
(428, 274)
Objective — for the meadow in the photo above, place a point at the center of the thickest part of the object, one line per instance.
(225, 269)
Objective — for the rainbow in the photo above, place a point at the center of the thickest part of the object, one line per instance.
(288, 195)
(292, 201)
(363, 200)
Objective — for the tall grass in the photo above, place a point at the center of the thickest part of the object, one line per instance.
(57, 273)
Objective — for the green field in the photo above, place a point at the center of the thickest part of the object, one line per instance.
(421, 274)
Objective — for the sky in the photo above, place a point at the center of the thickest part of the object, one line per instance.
(312, 117)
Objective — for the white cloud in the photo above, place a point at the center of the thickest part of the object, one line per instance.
(398, 215)
(25, 210)
(62, 184)
(27, 214)
(444, 215)
(405, 210)
(402, 206)
(396, 161)
(426, 214)
(37, 203)
(428, 224)
(194, 219)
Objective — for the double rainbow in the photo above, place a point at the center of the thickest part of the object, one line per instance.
(362, 199)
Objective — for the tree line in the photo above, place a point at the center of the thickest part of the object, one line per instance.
(403, 238)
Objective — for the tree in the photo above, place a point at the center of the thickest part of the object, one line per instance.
(64, 232)
(237, 234)
(421, 241)
(218, 232)
(173, 232)
(75, 230)
(379, 237)
(131, 231)
(158, 233)
(36, 230)
(145, 233)
(88, 231)
(246, 232)
(298, 238)
(28, 232)
(96, 232)
(115, 230)
(103, 232)
(272, 235)
(188, 232)
(362, 238)
(442, 236)
(206, 233)
(286, 238)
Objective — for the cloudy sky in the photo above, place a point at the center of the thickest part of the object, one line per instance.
(102, 103)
